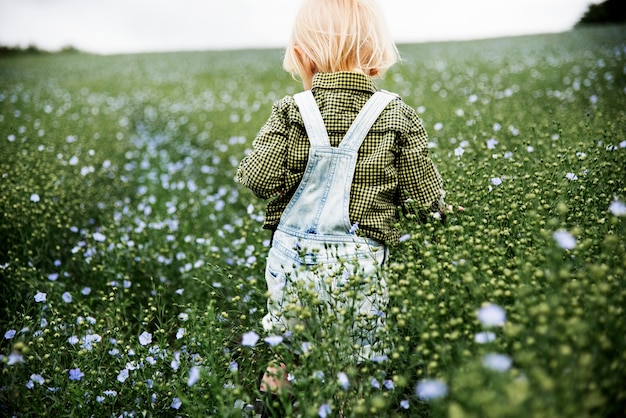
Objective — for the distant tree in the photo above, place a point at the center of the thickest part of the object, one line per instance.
(69, 49)
(609, 11)
(34, 50)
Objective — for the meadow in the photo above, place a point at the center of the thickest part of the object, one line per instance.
(131, 262)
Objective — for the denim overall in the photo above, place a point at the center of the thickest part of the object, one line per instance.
(317, 262)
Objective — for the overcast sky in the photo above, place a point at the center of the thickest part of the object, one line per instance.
(121, 26)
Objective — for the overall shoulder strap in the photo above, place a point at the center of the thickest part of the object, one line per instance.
(365, 119)
(313, 122)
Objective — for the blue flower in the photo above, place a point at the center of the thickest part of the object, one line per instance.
(564, 239)
(194, 375)
(324, 410)
(491, 315)
(76, 374)
(430, 389)
(249, 339)
(343, 380)
(176, 403)
(273, 340)
(145, 338)
(497, 362)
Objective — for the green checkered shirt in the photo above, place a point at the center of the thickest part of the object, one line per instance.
(393, 165)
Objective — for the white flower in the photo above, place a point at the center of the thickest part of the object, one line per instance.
(40, 297)
(145, 338)
(175, 364)
(123, 375)
(34, 198)
(73, 340)
(430, 389)
(180, 333)
(67, 297)
(484, 337)
(497, 362)
(9, 334)
(564, 239)
(491, 315)
(438, 126)
(15, 358)
(617, 208)
(571, 176)
(491, 143)
(183, 316)
(458, 152)
(37, 378)
(404, 404)
(273, 340)
(249, 339)
(324, 410)
(194, 376)
(306, 347)
(99, 237)
(496, 181)
(405, 237)
(88, 340)
(343, 380)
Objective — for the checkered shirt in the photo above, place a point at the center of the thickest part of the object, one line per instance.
(393, 165)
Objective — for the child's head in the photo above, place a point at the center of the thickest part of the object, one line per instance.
(340, 35)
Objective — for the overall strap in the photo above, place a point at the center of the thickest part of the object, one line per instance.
(365, 119)
(313, 122)
(316, 130)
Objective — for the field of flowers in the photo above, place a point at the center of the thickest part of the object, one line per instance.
(131, 262)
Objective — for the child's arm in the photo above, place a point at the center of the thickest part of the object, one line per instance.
(263, 170)
(418, 177)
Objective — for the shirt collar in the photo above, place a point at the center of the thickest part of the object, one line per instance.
(344, 80)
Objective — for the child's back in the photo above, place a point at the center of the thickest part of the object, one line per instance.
(333, 196)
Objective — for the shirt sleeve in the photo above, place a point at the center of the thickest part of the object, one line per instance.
(263, 170)
(418, 178)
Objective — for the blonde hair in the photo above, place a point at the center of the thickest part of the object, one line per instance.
(341, 35)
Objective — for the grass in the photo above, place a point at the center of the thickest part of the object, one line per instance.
(132, 263)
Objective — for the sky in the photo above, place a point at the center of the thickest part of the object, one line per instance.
(129, 26)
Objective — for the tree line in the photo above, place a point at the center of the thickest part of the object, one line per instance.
(609, 11)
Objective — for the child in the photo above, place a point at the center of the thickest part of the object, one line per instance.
(334, 190)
